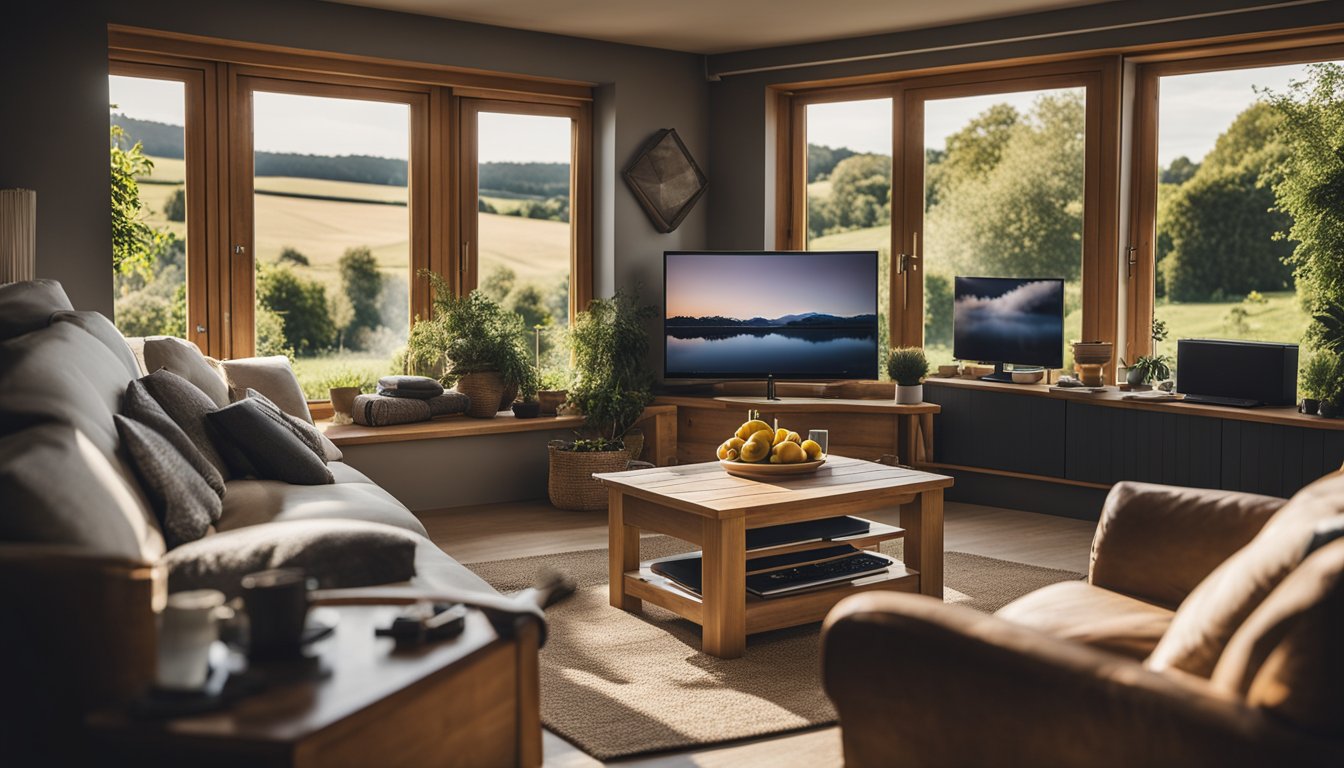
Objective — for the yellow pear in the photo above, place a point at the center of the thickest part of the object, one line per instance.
(754, 450)
(732, 445)
(780, 436)
(788, 452)
(751, 427)
(813, 449)
(794, 437)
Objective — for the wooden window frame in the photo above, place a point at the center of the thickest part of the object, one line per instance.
(469, 110)
(1141, 283)
(1100, 76)
(223, 73)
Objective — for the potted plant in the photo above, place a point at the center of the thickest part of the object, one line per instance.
(1149, 368)
(472, 342)
(343, 388)
(554, 390)
(528, 407)
(908, 366)
(1314, 379)
(612, 386)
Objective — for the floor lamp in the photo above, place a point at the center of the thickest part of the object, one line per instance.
(18, 235)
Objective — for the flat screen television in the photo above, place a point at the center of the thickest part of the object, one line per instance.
(770, 315)
(1007, 320)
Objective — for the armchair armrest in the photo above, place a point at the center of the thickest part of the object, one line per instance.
(1157, 542)
(901, 669)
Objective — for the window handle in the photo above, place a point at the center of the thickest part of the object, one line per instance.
(200, 328)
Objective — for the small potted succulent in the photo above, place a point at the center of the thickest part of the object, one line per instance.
(908, 366)
(528, 407)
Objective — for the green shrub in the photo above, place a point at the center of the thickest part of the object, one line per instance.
(469, 334)
(907, 366)
(613, 383)
(300, 304)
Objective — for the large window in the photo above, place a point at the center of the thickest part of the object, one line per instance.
(289, 203)
(987, 174)
(1209, 256)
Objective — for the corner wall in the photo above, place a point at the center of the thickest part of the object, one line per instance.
(54, 98)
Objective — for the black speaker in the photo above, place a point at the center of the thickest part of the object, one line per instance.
(1253, 370)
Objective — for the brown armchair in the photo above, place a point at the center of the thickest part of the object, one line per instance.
(1201, 637)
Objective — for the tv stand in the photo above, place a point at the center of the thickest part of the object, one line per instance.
(999, 375)
(770, 387)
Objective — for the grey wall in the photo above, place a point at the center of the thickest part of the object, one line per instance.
(53, 112)
(741, 144)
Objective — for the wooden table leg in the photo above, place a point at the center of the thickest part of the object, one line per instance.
(926, 431)
(909, 438)
(922, 520)
(622, 551)
(724, 587)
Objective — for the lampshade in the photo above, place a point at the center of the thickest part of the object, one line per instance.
(18, 235)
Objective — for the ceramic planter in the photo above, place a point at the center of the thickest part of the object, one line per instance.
(913, 395)
(342, 403)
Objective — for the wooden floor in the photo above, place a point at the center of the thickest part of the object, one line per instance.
(503, 531)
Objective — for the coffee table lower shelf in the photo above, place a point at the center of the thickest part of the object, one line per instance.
(766, 613)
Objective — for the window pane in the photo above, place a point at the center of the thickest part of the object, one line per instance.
(151, 284)
(1220, 272)
(1003, 197)
(332, 236)
(849, 188)
(523, 228)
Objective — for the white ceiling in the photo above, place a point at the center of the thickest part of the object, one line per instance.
(715, 26)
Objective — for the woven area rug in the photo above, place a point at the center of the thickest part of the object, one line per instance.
(617, 684)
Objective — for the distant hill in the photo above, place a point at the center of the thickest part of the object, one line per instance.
(804, 320)
(525, 180)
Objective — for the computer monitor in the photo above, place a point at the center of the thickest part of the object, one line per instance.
(1006, 320)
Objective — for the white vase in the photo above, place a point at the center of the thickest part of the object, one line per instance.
(909, 395)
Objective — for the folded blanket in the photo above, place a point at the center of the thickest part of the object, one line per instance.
(418, 387)
(383, 411)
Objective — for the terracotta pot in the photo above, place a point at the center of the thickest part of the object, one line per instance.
(485, 390)
(342, 403)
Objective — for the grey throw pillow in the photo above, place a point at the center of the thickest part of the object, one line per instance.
(102, 329)
(338, 553)
(188, 406)
(271, 448)
(185, 359)
(185, 505)
(142, 407)
(308, 434)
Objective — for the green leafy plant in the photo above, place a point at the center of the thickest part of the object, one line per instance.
(469, 334)
(613, 383)
(135, 244)
(1320, 377)
(907, 366)
(1153, 367)
(1330, 328)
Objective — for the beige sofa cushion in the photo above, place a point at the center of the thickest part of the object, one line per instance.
(1076, 610)
(272, 377)
(102, 329)
(57, 487)
(1209, 617)
(352, 497)
(185, 359)
(1286, 656)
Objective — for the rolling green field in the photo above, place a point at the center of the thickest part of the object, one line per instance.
(537, 250)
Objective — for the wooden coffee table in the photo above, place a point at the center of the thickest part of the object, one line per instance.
(703, 504)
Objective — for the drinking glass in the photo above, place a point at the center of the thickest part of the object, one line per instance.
(822, 437)
(187, 627)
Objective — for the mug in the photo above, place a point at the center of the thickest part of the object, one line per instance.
(277, 610)
(188, 626)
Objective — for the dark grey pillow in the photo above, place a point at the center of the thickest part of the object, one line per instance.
(419, 387)
(185, 504)
(338, 553)
(308, 434)
(188, 406)
(270, 447)
(142, 407)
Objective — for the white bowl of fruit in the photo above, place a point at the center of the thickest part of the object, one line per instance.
(759, 450)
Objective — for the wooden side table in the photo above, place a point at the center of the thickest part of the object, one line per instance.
(471, 701)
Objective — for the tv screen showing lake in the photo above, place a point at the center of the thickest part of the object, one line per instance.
(786, 314)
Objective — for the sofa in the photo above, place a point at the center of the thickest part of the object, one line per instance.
(1208, 632)
(81, 552)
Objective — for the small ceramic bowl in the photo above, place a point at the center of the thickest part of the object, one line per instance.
(1027, 377)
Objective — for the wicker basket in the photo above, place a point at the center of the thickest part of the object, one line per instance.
(571, 485)
(485, 390)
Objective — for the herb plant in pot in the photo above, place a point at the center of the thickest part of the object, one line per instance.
(528, 407)
(554, 391)
(612, 386)
(472, 342)
(908, 366)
